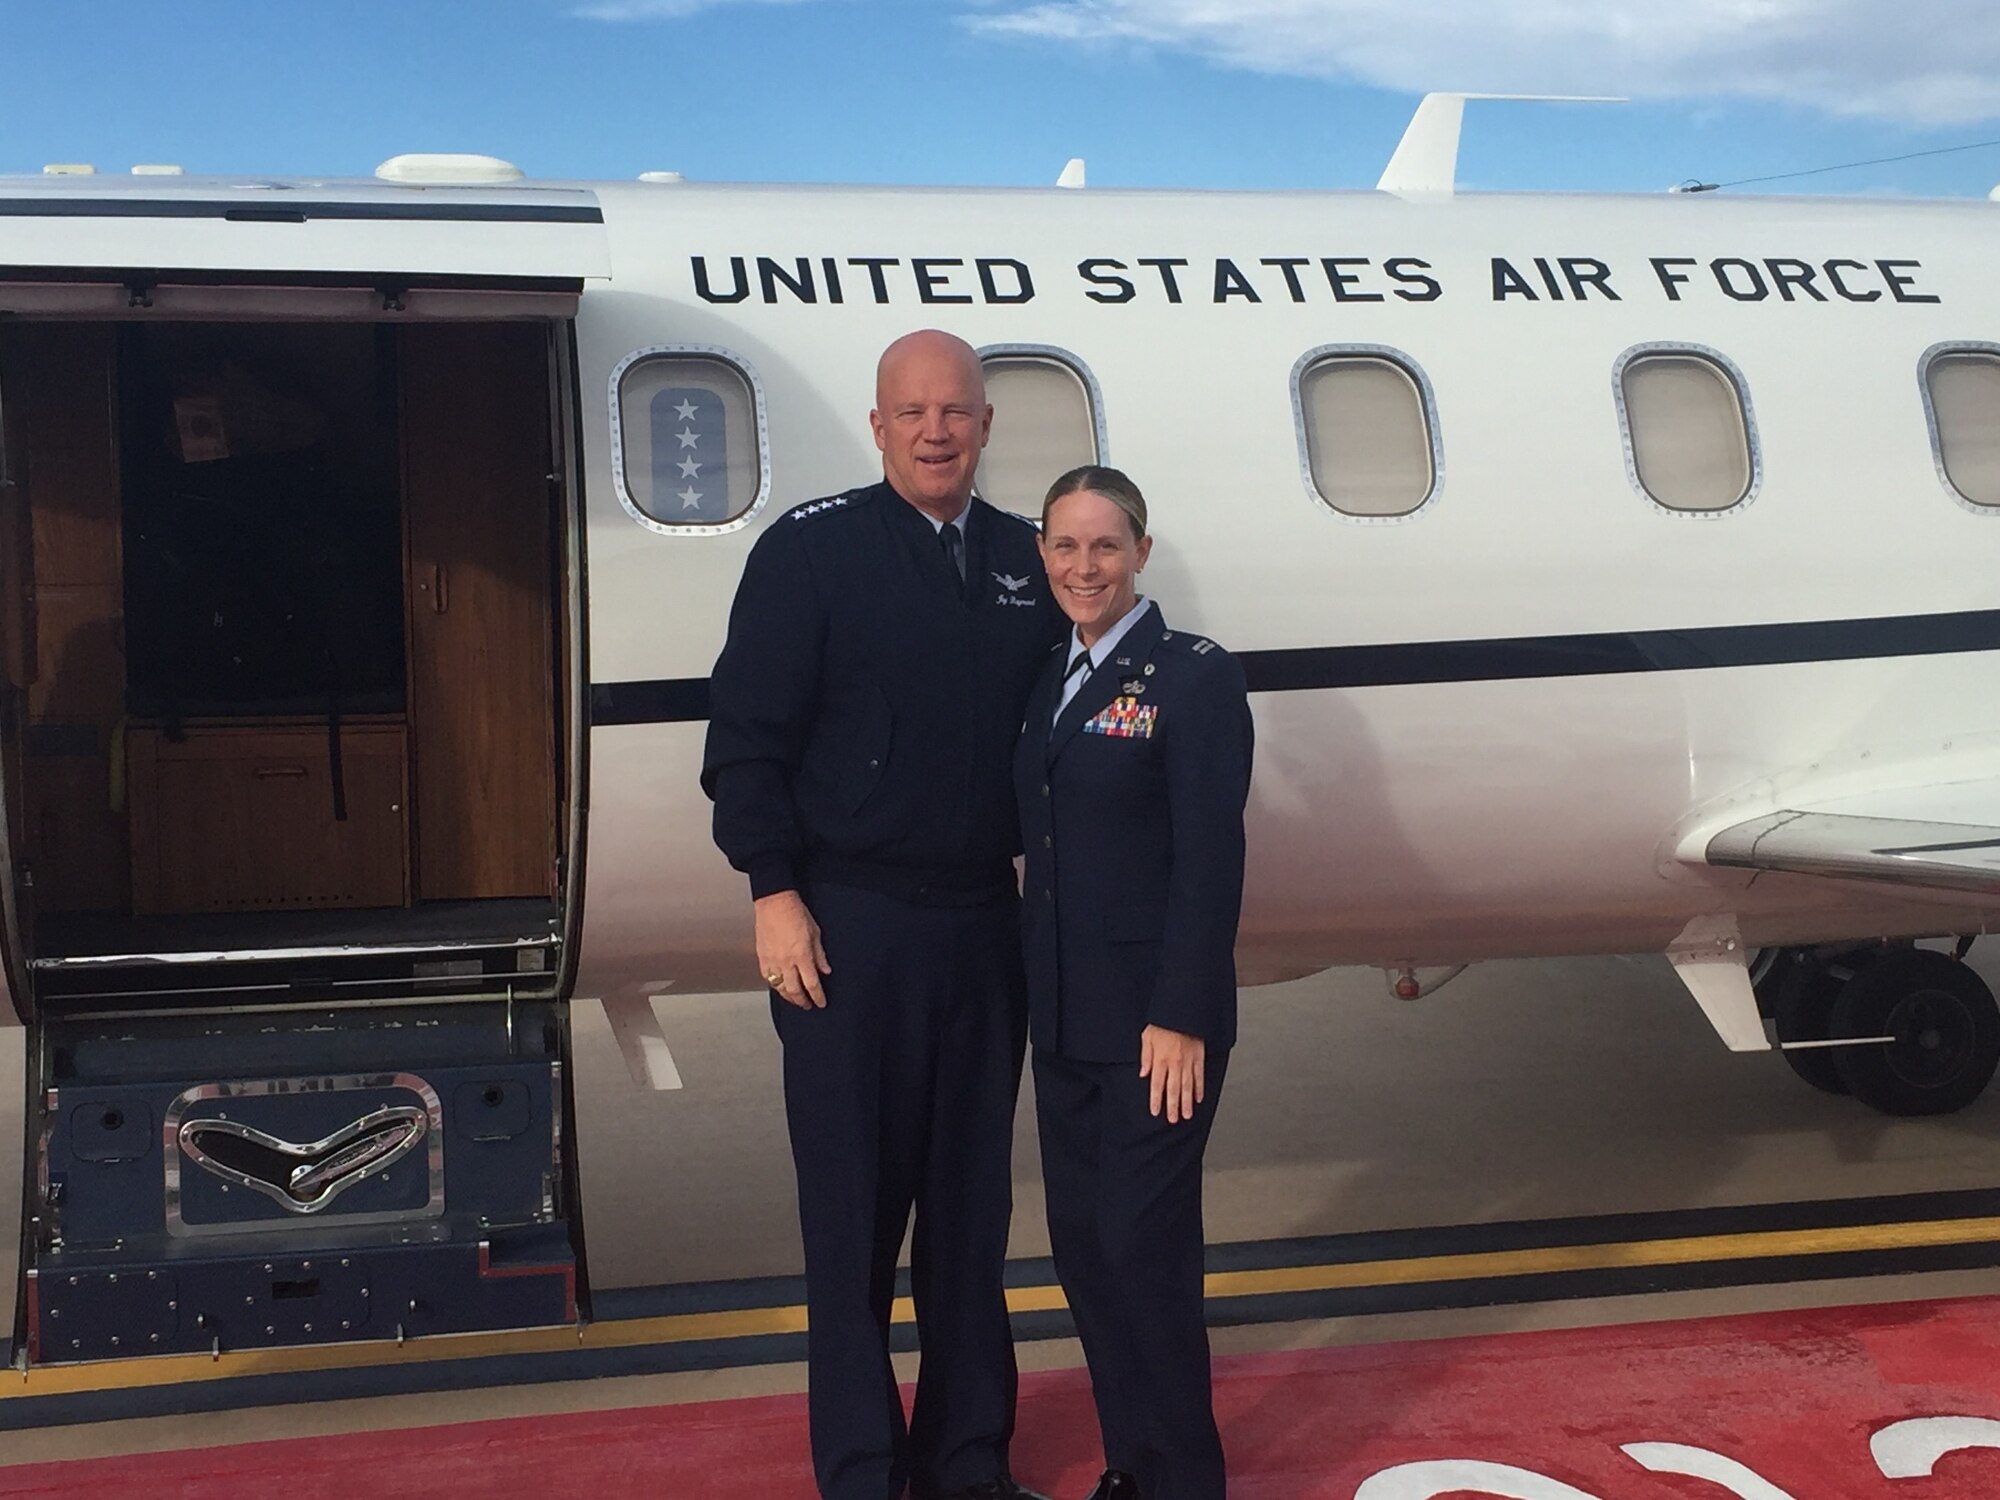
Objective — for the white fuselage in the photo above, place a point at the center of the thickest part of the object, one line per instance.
(1412, 804)
(1433, 822)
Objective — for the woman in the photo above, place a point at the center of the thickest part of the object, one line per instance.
(1132, 773)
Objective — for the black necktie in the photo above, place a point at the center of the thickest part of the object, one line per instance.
(954, 548)
(1080, 669)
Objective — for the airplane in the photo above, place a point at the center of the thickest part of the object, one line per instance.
(1613, 574)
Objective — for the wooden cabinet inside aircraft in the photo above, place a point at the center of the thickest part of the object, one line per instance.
(476, 501)
(264, 816)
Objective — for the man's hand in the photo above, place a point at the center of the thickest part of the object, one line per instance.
(789, 952)
(1174, 1061)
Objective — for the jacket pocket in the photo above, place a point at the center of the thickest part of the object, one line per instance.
(876, 733)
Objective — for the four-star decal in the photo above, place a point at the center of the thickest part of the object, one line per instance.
(690, 412)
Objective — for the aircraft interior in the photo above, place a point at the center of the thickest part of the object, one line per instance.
(291, 633)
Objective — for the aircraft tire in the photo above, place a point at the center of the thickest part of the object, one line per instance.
(1767, 970)
(1946, 1028)
(1803, 993)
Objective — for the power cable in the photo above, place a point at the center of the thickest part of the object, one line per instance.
(1847, 166)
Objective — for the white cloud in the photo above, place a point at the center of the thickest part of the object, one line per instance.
(1926, 63)
(659, 10)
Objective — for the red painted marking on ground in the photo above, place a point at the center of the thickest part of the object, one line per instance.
(1795, 1397)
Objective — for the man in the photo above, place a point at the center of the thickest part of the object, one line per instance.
(863, 717)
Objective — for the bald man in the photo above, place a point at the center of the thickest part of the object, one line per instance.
(863, 717)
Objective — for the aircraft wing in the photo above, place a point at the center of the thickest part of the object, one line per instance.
(1941, 836)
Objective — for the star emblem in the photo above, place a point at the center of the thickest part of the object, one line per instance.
(690, 498)
(799, 513)
(689, 468)
(688, 439)
(685, 411)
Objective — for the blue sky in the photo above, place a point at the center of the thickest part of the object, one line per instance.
(1189, 93)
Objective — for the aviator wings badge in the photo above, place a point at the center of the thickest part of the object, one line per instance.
(1010, 583)
(304, 1177)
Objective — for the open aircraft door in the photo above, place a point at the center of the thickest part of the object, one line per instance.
(293, 753)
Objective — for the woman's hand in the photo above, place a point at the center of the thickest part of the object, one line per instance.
(1174, 1061)
(790, 955)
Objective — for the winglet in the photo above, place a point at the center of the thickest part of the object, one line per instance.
(1426, 159)
(1072, 174)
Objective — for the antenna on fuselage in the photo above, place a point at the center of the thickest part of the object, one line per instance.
(1426, 161)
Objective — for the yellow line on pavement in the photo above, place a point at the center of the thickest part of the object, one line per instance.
(1690, 1250)
(756, 1322)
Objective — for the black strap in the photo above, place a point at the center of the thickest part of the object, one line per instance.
(333, 760)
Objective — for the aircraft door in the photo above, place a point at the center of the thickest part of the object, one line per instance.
(18, 654)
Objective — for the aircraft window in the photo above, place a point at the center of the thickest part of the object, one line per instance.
(688, 440)
(1962, 390)
(1689, 442)
(1368, 431)
(1047, 420)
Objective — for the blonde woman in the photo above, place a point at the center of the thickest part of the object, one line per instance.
(1131, 776)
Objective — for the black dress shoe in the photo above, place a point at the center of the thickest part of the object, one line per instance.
(1115, 1484)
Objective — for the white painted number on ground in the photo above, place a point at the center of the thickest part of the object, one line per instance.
(1700, 1463)
(1902, 1450)
(1454, 1476)
(1911, 1450)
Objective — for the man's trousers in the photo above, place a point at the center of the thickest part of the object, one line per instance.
(900, 1094)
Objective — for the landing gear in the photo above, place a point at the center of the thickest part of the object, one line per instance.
(1799, 998)
(1940, 1020)
(1945, 1026)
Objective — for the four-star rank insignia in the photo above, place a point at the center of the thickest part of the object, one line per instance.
(1127, 718)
